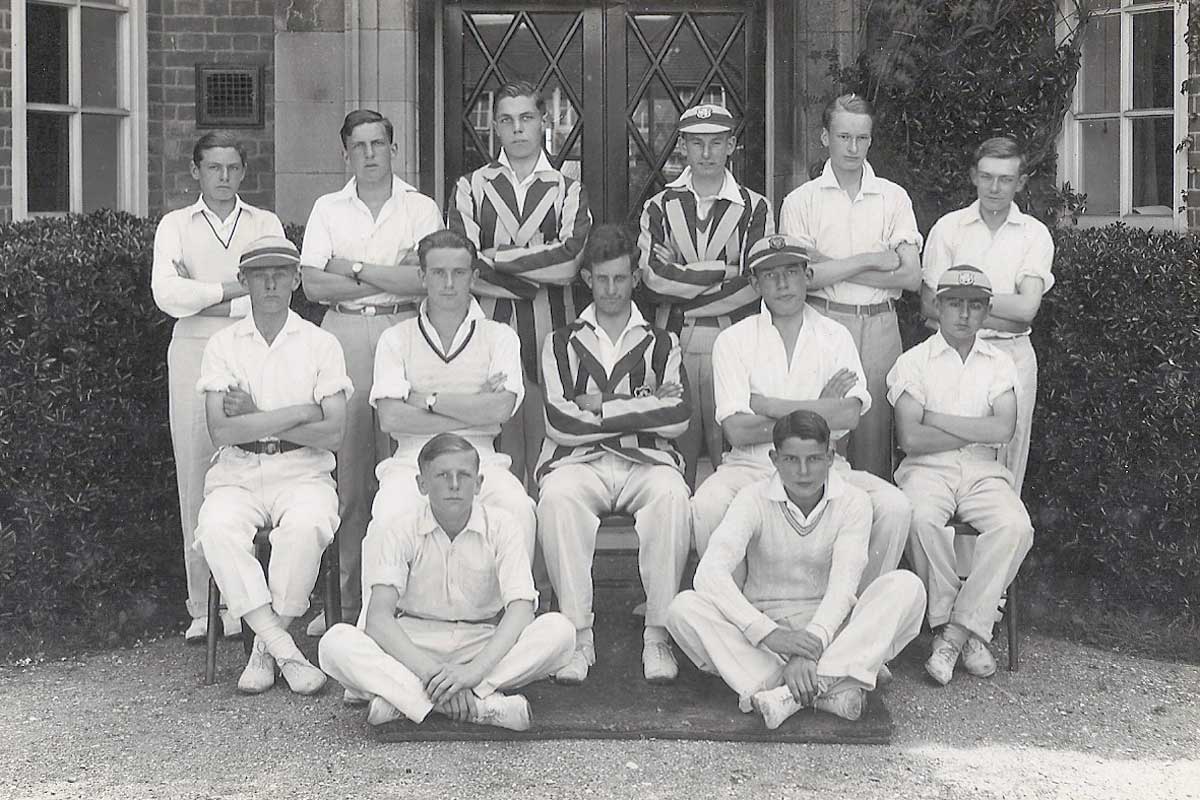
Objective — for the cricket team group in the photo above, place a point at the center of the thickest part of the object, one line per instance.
(484, 390)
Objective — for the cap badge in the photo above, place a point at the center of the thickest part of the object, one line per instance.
(966, 279)
(704, 112)
(643, 391)
(777, 242)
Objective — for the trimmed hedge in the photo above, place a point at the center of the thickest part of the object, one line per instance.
(89, 514)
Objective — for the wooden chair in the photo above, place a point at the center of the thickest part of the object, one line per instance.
(330, 565)
(1010, 605)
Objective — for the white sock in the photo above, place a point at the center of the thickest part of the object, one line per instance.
(655, 633)
(274, 636)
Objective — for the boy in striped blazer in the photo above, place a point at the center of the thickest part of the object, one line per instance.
(694, 237)
(529, 222)
(615, 400)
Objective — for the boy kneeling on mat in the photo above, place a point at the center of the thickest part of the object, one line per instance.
(792, 633)
(449, 600)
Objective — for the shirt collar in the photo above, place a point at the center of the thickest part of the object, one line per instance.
(543, 165)
(1015, 215)
(766, 321)
(474, 312)
(939, 346)
(429, 524)
(729, 187)
(200, 207)
(636, 320)
(871, 183)
(835, 486)
(350, 190)
(246, 327)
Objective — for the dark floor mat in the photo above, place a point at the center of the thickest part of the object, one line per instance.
(616, 702)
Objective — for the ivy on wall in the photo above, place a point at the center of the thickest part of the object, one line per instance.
(946, 75)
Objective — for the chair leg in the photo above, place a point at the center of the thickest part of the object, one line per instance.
(1010, 613)
(214, 626)
(333, 586)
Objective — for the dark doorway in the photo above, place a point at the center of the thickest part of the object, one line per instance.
(616, 76)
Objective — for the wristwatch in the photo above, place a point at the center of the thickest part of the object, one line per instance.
(430, 401)
(355, 269)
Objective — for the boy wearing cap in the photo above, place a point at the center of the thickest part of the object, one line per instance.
(614, 403)
(693, 243)
(359, 259)
(796, 632)
(786, 358)
(448, 369)
(275, 389)
(1016, 251)
(528, 222)
(449, 604)
(866, 253)
(194, 279)
(956, 405)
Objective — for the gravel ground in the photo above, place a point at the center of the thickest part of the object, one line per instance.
(138, 723)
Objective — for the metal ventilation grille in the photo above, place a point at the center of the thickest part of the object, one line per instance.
(229, 97)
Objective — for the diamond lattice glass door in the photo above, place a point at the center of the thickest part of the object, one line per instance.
(673, 61)
(542, 47)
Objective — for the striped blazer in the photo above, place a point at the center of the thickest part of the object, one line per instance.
(710, 280)
(528, 280)
(635, 424)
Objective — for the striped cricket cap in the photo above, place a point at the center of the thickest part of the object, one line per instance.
(707, 118)
(776, 249)
(964, 281)
(270, 251)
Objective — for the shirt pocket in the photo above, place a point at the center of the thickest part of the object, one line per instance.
(480, 587)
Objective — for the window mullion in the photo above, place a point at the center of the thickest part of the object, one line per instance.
(1125, 141)
(75, 96)
(1179, 185)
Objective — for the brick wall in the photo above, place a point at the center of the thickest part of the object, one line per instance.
(181, 34)
(5, 111)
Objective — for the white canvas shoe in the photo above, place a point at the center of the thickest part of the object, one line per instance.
(259, 674)
(658, 662)
(576, 670)
(883, 677)
(301, 676)
(316, 628)
(977, 658)
(381, 712)
(503, 711)
(775, 705)
(847, 703)
(197, 630)
(940, 665)
(350, 697)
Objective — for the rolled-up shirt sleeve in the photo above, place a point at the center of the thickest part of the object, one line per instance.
(506, 358)
(391, 377)
(904, 376)
(847, 358)
(387, 554)
(331, 373)
(512, 560)
(1039, 255)
(217, 372)
(317, 247)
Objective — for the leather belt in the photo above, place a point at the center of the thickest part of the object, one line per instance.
(270, 447)
(870, 310)
(374, 311)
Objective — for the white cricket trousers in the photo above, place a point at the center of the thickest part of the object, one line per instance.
(354, 659)
(574, 496)
(980, 494)
(885, 619)
(294, 495)
(891, 512)
(1016, 454)
(192, 446)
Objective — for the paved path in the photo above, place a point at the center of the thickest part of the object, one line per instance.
(138, 723)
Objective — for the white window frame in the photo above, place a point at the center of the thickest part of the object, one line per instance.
(1070, 143)
(132, 193)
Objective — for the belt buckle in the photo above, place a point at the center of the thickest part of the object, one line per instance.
(368, 311)
(272, 448)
